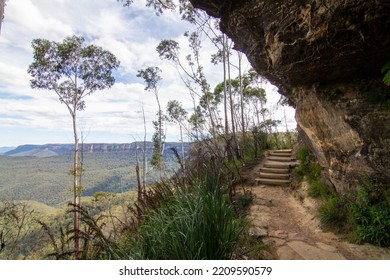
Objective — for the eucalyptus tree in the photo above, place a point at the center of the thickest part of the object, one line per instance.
(73, 71)
(209, 26)
(152, 77)
(158, 5)
(177, 114)
(255, 95)
(191, 72)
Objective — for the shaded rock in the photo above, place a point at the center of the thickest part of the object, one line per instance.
(325, 56)
(258, 232)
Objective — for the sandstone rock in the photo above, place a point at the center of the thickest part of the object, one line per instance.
(309, 252)
(258, 232)
(287, 253)
(325, 56)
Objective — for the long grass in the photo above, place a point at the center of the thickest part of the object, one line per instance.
(200, 224)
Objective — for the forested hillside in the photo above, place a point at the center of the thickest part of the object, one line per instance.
(47, 180)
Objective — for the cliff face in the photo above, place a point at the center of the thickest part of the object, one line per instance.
(325, 56)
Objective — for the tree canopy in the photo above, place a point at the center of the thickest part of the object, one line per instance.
(71, 69)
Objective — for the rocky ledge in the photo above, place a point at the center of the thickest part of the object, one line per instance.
(325, 56)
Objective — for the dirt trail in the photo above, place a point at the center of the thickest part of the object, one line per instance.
(286, 220)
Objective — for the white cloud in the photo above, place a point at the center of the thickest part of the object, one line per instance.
(131, 34)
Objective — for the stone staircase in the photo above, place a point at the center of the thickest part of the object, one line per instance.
(276, 168)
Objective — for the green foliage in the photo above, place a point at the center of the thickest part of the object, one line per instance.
(158, 139)
(176, 112)
(333, 213)
(371, 212)
(318, 189)
(378, 97)
(308, 167)
(151, 77)
(192, 225)
(46, 180)
(168, 49)
(282, 140)
(72, 70)
(386, 70)
(260, 140)
(20, 233)
(364, 214)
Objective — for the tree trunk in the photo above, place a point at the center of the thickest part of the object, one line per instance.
(160, 136)
(76, 187)
(230, 92)
(213, 125)
(182, 147)
(144, 154)
(137, 171)
(241, 99)
(225, 85)
(234, 135)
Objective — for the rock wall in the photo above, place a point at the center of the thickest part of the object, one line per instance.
(325, 56)
(348, 134)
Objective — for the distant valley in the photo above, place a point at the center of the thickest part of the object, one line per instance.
(50, 150)
(40, 172)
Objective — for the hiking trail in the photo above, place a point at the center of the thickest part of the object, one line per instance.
(286, 219)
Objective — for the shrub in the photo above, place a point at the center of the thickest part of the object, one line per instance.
(318, 189)
(321, 190)
(363, 214)
(333, 213)
(371, 212)
(194, 225)
(308, 167)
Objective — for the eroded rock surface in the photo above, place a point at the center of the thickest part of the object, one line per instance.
(325, 56)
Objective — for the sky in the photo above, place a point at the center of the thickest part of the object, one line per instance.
(32, 116)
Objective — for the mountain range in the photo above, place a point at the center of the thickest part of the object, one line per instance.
(50, 150)
(3, 150)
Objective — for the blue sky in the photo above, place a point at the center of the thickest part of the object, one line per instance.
(114, 115)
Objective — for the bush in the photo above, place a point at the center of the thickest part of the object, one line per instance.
(333, 213)
(371, 212)
(194, 225)
(364, 214)
(307, 167)
(319, 189)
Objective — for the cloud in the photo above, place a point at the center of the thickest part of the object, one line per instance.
(131, 34)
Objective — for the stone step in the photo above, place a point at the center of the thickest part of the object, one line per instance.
(281, 176)
(272, 182)
(282, 151)
(274, 170)
(281, 165)
(289, 155)
(281, 159)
